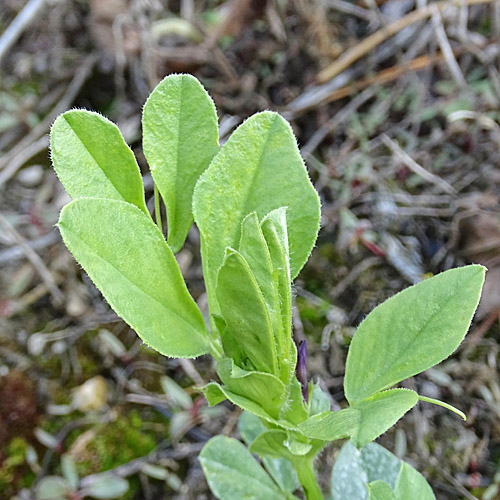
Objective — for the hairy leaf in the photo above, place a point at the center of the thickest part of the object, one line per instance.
(180, 139)
(216, 393)
(412, 331)
(318, 400)
(271, 443)
(262, 388)
(245, 313)
(258, 169)
(294, 410)
(253, 248)
(274, 230)
(332, 425)
(91, 159)
(234, 474)
(127, 258)
(380, 412)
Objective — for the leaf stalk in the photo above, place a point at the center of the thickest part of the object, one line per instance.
(307, 479)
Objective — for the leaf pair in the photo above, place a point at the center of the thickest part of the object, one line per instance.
(410, 332)
(180, 138)
(108, 228)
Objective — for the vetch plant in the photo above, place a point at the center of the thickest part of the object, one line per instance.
(258, 216)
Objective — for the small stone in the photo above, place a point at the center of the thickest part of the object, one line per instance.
(31, 176)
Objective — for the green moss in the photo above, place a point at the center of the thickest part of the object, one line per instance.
(116, 443)
(15, 473)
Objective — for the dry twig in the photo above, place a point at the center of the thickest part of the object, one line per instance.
(11, 162)
(36, 261)
(20, 23)
(415, 167)
(366, 45)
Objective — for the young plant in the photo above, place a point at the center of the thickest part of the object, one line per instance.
(258, 216)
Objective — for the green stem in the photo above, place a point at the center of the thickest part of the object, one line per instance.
(443, 404)
(307, 479)
(216, 349)
(157, 209)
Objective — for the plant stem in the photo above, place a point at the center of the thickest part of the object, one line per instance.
(307, 479)
(216, 349)
(157, 208)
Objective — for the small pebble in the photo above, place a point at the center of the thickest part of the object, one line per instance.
(31, 176)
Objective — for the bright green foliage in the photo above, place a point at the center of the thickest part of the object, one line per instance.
(253, 248)
(380, 412)
(364, 421)
(91, 159)
(258, 169)
(263, 388)
(181, 137)
(380, 490)
(124, 253)
(331, 426)
(412, 331)
(258, 216)
(233, 474)
(248, 334)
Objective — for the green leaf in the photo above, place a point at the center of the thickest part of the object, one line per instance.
(216, 393)
(380, 412)
(297, 447)
(253, 248)
(411, 485)
(318, 400)
(233, 474)
(127, 258)
(105, 486)
(68, 469)
(380, 490)
(271, 443)
(258, 169)
(412, 331)
(180, 139)
(92, 159)
(245, 313)
(379, 463)
(354, 469)
(333, 425)
(274, 230)
(264, 389)
(281, 470)
(277, 443)
(294, 410)
(51, 488)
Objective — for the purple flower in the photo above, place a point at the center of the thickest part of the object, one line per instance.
(301, 370)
